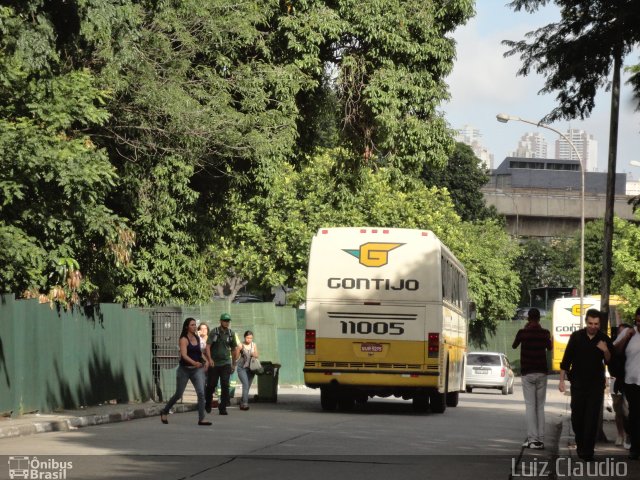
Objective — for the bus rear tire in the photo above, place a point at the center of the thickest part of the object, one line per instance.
(420, 402)
(469, 389)
(437, 401)
(328, 399)
(452, 399)
(346, 401)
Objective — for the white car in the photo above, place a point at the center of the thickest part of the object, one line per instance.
(488, 370)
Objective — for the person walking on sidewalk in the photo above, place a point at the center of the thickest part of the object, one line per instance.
(222, 353)
(192, 367)
(203, 334)
(587, 352)
(535, 342)
(248, 351)
(628, 344)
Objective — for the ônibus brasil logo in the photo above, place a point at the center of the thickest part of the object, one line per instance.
(373, 254)
(34, 468)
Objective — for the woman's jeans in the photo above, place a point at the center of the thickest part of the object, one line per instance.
(246, 377)
(183, 375)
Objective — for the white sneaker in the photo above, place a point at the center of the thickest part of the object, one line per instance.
(536, 446)
(527, 444)
(619, 441)
(626, 444)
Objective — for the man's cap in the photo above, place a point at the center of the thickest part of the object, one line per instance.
(225, 317)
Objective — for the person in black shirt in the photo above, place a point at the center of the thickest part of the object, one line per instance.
(587, 352)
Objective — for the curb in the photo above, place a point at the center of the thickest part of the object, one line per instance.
(72, 423)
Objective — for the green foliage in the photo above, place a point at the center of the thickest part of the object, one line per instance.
(554, 263)
(463, 176)
(392, 58)
(270, 235)
(53, 179)
(164, 147)
(577, 54)
(489, 256)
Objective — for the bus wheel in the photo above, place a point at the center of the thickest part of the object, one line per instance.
(362, 399)
(437, 402)
(505, 390)
(346, 401)
(328, 399)
(420, 402)
(452, 399)
(469, 389)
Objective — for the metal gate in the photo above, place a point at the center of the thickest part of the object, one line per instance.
(166, 329)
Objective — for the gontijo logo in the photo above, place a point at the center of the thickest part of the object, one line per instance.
(373, 254)
(575, 309)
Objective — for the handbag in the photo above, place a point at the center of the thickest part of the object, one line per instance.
(255, 366)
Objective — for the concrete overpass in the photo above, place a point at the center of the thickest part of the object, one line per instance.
(553, 212)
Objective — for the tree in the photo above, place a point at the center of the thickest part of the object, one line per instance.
(577, 55)
(271, 235)
(389, 61)
(463, 176)
(543, 263)
(54, 180)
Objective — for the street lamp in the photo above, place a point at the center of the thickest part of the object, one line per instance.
(504, 118)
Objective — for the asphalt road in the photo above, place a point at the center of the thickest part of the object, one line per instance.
(294, 438)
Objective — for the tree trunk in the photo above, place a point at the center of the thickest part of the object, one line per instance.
(605, 283)
(607, 247)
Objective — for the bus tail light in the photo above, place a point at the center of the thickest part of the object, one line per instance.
(503, 372)
(433, 345)
(310, 342)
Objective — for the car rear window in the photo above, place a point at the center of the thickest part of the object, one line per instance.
(483, 359)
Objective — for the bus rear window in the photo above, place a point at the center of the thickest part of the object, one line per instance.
(476, 359)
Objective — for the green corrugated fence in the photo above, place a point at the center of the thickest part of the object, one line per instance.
(278, 332)
(52, 358)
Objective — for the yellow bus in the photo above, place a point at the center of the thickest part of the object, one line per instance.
(566, 320)
(386, 314)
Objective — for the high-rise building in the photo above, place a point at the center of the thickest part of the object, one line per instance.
(471, 136)
(586, 145)
(531, 145)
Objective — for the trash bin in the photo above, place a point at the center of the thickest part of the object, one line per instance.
(268, 383)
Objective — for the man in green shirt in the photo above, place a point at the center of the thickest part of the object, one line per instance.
(222, 354)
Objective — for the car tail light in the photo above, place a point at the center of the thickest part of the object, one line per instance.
(310, 342)
(433, 345)
(503, 372)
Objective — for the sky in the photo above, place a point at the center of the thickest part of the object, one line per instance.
(484, 83)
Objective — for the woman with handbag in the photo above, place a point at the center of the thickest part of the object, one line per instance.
(248, 366)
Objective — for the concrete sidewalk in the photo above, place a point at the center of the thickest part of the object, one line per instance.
(610, 461)
(71, 419)
(66, 420)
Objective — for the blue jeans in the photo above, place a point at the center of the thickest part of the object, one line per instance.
(246, 378)
(183, 375)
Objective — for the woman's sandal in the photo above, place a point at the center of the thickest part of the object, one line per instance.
(163, 418)
(204, 422)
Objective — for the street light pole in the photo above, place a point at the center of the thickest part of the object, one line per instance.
(504, 118)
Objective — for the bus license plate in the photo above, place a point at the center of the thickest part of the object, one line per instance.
(371, 347)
